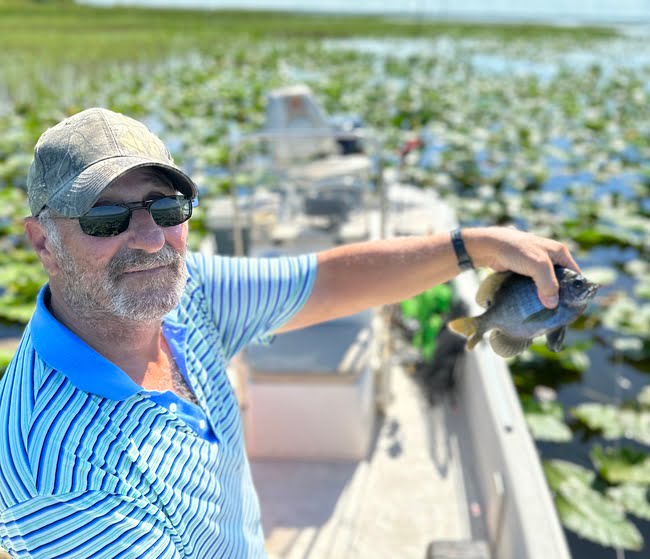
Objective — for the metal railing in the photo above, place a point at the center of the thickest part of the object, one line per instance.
(278, 135)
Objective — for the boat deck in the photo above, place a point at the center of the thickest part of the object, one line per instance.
(416, 485)
(460, 473)
(417, 481)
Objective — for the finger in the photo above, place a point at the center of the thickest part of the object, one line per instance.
(547, 285)
(562, 256)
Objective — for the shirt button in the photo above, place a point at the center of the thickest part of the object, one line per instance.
(202, 424)
(173, 407)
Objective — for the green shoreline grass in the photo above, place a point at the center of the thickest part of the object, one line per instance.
(60, 30)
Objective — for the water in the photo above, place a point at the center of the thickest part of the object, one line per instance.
(632, 11)
(618, 54)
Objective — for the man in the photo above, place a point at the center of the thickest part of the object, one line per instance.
(120, 432)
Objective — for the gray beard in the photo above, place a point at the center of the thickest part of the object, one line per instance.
(107, 297)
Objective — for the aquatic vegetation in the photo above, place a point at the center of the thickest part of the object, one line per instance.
(627, 316)
(633, 497)
(19, 285)
(600, 274)
(545, 420)
(572, 359)
(614, 422)
(642, 290)
(21, 273)
(644, 397)
(588, 512)
(621, 465)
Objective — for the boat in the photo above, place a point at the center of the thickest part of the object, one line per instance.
(349, 457)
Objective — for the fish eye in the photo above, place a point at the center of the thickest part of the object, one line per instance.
(578, 283)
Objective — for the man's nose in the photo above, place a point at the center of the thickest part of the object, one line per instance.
(144, 233)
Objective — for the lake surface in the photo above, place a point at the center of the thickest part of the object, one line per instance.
(632, 11)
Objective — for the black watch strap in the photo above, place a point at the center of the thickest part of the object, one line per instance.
(464, 261)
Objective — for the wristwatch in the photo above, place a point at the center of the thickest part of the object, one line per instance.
(464, 261)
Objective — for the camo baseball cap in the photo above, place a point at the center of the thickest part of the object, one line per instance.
(80, 156)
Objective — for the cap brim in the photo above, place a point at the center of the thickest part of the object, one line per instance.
(85, 189)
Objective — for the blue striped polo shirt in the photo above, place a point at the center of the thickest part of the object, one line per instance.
(94, 466)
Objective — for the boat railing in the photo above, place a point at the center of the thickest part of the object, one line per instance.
(368, 137)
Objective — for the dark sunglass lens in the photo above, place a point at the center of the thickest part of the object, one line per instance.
(105, 221)
(171, 210)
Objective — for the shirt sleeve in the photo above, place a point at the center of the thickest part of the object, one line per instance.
(249, 298)
(85, 525)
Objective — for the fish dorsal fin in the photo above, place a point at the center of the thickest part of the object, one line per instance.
(507, 346)
(489, 286)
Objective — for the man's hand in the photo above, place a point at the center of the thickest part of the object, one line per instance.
(507, 249)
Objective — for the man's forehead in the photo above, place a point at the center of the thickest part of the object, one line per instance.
(137, 182)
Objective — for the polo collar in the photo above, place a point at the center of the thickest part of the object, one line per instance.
(66, 352)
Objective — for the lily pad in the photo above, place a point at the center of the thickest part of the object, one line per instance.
(628, 346)
(14, 312)
(635, 498)
(558, 471)
(545, 420)
(615, 422)
(587, 512)
(622, 465)
(644, 396)
(642, 288)
(598, 235)
(638, 268)
(633, 350)
(626, 316)
(596, 518)
(600, 274)
(571, 358)
(538, 365)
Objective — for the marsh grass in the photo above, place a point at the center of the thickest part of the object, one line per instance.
(58, 31)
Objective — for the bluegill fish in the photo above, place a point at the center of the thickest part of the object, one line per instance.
(515, 315)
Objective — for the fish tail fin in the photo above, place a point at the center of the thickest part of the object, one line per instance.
(467, 327)
(464, 326)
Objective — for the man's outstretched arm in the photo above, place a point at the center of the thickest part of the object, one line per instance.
(358, 276)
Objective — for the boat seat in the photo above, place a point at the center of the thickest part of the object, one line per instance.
(458, 549)
(311, 393)
(306, 149)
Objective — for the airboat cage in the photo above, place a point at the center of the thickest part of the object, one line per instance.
(320, 385)
(327, 171)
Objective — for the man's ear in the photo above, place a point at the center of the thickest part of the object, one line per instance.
(37, 236)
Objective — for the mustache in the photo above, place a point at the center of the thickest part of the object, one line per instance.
(129, 259)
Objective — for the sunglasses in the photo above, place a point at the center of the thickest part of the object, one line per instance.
(109, 221)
